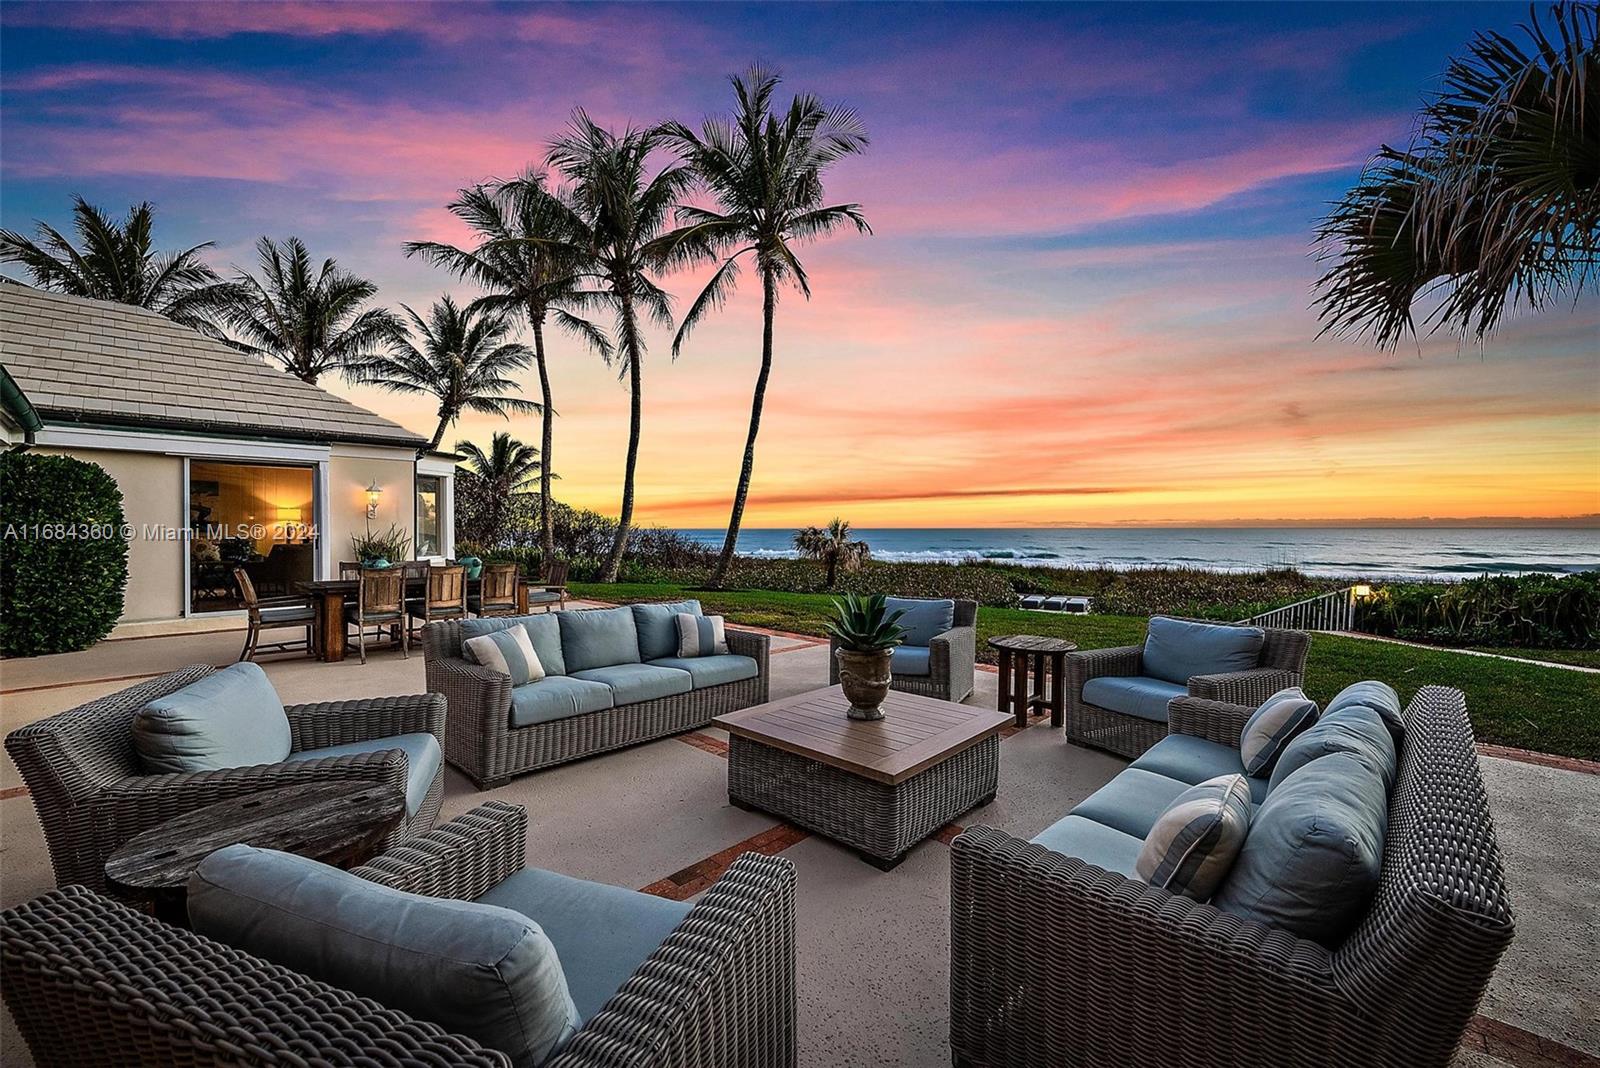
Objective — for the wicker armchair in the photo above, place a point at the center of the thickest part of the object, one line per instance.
(480, 740)
(1282, 664)
(92, 983)
(1058, 962)
(92, 795)
(952, 660)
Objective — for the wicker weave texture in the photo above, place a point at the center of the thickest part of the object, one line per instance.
(1282, 664)
(92, 796)
(875, 818)
(1056, 962)
(480, 740)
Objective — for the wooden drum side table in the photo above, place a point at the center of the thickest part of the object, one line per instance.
(340, 823)
(1048, 659)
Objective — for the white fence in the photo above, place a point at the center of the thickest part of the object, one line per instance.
(1330, 611)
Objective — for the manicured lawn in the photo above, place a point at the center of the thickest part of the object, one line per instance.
(1521, 705)
(1582, 657)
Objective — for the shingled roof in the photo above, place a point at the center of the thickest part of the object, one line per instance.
(102, 364)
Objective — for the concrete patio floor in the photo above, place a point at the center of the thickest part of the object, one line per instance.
(874, 945)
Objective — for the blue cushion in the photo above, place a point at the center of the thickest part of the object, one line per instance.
(910, 660)
(485, 972)
(657, 626)
(1133, 695)
(1131, 802)
(1177, 650)
(543, 631)
(1196, 760)
(631, 683)
(598, 637)
(601, 933)
(1378, 696)
(1314, 853)
(924, 620)
(1270, 729)
(557, 697)
(230, 719)
(422, 760)
(1352, 729)
(712, 670)
(1094, 843)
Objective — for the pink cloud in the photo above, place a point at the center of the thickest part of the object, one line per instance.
(299, 18)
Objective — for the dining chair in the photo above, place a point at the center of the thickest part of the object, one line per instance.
(274, 613)
(380, 603)
(497, 591)
(444, 596)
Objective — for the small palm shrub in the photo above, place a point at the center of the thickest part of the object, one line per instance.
(63, 554)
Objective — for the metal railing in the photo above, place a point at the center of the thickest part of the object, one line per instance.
(1329, 611)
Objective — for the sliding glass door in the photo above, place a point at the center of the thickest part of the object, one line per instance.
(259, 517)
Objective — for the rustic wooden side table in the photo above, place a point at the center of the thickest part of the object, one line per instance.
(342, 824)
(1048, 658)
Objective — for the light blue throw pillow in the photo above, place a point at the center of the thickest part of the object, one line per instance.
(1196, 839)
(230, 719)
(924, 620)
(1177, 650)
(1271, 728)
(483, 971)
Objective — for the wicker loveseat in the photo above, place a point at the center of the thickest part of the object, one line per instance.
(92, 794)
(936, 661)
(93, 983)
(612, 681)
(1140, 718)
(1057, 961)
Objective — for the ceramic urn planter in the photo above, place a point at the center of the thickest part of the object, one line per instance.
(865, 680)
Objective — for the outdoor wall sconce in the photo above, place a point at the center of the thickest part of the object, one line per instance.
(374, 492)
(1361, 593)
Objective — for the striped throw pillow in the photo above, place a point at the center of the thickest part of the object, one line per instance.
(1268, 732)
(700, 635)
(509, 652)
(1195, 841)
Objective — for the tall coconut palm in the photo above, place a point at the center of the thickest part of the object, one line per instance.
(833, 546)
(493, 478)
(1494, 204)
(764, 173)
(622, 215)
(115, 261)
(526, 263)
(460, 356)
(310, 320)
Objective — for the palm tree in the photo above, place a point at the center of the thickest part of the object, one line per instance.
(833, 546)
(114, 261)
(309, 320)
(461, 357)
(526, 263)
(765, 175)
(621, 213)
(1495, 202)
(494, 477)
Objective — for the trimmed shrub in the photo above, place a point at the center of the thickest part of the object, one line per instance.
(1527, 611)
(63, 554)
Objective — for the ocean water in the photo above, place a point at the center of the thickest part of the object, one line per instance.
(1428, 552)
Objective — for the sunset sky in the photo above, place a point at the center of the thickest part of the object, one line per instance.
(1087, 295)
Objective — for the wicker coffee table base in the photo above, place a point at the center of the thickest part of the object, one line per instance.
(879, 821)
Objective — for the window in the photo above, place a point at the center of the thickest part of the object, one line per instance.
(429, 541)
(251, 516)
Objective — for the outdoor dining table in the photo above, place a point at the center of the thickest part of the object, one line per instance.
(329, 595)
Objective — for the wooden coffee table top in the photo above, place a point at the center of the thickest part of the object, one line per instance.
(337, 823)
(914, 733)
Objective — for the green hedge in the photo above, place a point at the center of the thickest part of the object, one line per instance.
(1518, 611)
(63, 554)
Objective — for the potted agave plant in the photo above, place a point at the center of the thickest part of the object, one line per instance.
(866, 633)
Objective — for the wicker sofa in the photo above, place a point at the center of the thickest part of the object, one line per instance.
(92, 794)
(93, 983)
(934, 664)
(495, 731)
(1130, 730)
(1057, 961)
